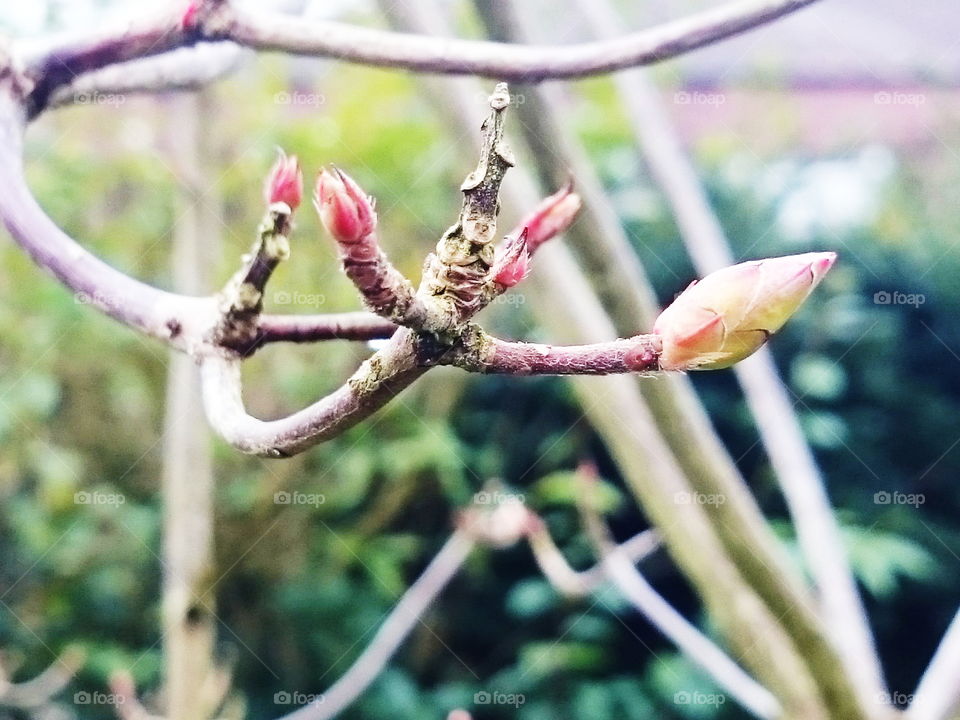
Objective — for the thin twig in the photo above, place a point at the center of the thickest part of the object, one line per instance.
(580, 583)
(334, 326)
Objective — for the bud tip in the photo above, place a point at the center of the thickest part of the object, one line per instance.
(285, 181)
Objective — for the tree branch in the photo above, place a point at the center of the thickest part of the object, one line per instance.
(261, 30)
(937, 697)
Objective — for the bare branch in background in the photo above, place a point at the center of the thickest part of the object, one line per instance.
(126, 703)
(580, 583)
(187, 481)
(817, 530)
(401, 621)
(36, 692)
(697, 647)
(937, 697)
(499, 526)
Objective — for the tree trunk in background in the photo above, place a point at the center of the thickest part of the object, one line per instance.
(188, 609)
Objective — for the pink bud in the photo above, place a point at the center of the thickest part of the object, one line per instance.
(732, 312)
(285, 182)
(346, 212)
(512, 261)
(189, 17)
(552, 216)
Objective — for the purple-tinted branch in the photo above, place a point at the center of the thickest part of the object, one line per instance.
(498, 60)
(482, 353)
(187, 68)
(263, 30)
(406, 357)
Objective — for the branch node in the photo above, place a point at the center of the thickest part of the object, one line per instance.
(457, 272)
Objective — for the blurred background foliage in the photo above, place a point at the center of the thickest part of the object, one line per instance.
(304, 586)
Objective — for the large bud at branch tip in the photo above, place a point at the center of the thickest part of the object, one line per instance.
(345, 210)
(551, 217)
(285, 182)
(729, 314)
